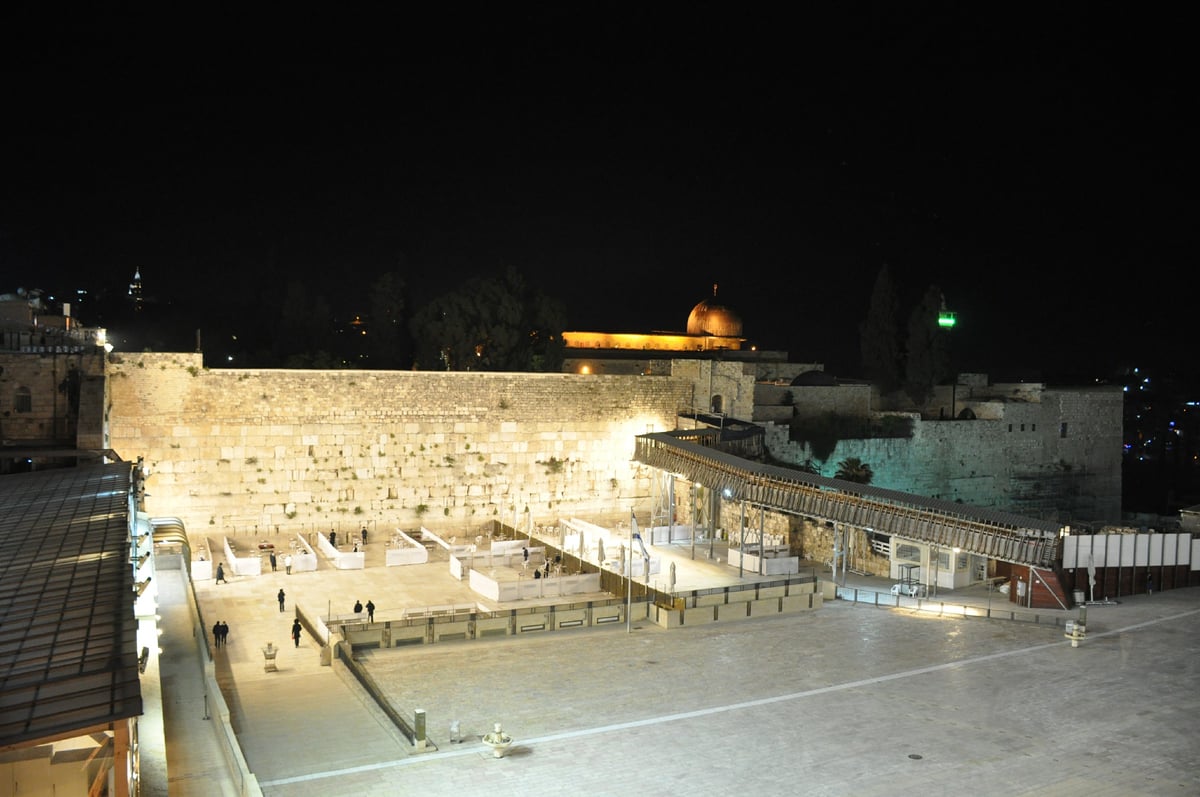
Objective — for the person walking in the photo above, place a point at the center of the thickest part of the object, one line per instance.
(281, 598)
(296, 632)
(287, 563)
(221, 573)
(370, 611)
(217, 634)
(224, 633)
(364, 535)
(1149, 584)
(358, 607)
(273, 562)
(333, 538)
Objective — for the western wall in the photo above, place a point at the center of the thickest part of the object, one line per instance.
(240, 451)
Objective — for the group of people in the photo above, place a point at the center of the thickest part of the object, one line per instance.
(358, 607)
(220, 631)
(333, 538)
(287, 563)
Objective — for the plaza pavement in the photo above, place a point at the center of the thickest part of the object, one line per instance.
(846, 700)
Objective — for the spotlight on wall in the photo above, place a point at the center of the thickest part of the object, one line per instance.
(140, 587)
(143, 660)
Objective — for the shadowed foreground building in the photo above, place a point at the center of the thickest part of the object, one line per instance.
(70, 681)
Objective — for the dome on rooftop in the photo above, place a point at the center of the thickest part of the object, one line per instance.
(712, 318)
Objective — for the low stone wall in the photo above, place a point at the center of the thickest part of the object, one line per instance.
(734, 604)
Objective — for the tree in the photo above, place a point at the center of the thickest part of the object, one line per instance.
(852, 469)
(387, 344)
(490, 324)
(304, 334)
(927, 356)
(879, 334)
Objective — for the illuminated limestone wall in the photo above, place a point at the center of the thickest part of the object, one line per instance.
(277, 450)
(659, 342)
(1057, 457)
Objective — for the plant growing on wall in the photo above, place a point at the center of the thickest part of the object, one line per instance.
(853, 469)
(823, 432)
(422, 509)
(553, 465)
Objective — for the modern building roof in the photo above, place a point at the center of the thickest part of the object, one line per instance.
(68, 634)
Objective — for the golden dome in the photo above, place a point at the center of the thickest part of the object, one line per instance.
(711, 318)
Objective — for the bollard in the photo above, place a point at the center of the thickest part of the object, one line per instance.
(419, 728)
(1076, 630)
(455, 735)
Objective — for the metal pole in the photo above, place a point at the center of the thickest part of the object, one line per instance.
(936, 557)
(695, 497)
(713, 502)
(742, 545)
(762, 549)
(629, 580)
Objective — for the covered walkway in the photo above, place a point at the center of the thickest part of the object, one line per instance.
(984, 532)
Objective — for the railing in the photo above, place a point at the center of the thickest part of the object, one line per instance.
(1002, 610)
(986, 532)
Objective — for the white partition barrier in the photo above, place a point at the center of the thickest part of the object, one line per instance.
(772, 565)
(503, 591)
(668, 535)
(1128, 550)
(404, 550)
(241, 565)
(462, 563)
(304, 558)
(342, 560)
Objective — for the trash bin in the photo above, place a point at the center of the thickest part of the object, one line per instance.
(1079, 596)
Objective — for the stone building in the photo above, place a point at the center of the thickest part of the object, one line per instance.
(476, 446)
(1027, 448)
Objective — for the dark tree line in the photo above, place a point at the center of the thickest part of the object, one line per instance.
(923, 360)
(485, 323)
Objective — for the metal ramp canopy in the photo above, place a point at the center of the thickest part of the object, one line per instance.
(984, 532)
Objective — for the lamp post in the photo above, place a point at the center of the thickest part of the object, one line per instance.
(629, 575)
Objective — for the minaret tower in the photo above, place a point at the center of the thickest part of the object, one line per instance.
(135, 289)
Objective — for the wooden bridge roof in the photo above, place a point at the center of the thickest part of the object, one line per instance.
(982, 531)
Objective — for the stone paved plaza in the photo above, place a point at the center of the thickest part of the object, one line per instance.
(846, 700)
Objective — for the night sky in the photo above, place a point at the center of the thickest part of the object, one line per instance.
(626, 159)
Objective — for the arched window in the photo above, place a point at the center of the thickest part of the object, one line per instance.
(717, 404)
(23, 400)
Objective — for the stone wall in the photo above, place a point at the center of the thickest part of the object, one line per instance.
(1058, 458)
(47, 376)
(279, 450)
